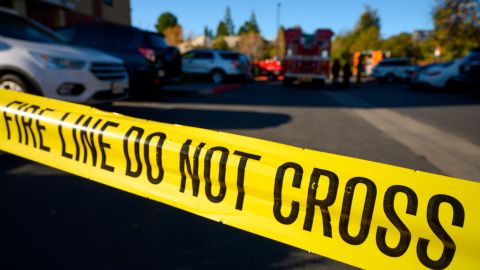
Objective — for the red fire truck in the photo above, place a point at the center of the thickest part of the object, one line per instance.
(307, 57)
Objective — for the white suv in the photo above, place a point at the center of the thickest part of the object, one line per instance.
(34, 59)
(392, 69)
(217, 64)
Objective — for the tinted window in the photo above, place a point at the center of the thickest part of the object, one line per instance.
(395, 63)
(103, 37)
(157, 41)
(188, 55)
(203, 55)
(230, 56)
(21, 28)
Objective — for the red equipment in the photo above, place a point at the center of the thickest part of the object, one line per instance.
(307, 56)
(270, 67)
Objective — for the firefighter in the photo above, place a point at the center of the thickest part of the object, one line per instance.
(360, 69)
(347, 73)
(335, 71)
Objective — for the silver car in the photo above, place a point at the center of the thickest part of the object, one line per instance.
(216, 64)
(34, 59)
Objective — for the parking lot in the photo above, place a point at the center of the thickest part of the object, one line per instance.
(53, 220)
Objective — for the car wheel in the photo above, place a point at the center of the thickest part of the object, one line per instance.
(390, 78)
(287, 81)
(217, 76)
(318, 83)
(450, 85)
(13, 82)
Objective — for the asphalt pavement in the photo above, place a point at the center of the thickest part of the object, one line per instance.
(52, 220)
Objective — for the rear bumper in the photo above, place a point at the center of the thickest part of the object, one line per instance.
(305, 76)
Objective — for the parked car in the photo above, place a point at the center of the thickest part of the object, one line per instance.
(218, 65)
(463, 72)
(34, 59)
(415, 72)
(392, 69)
(150, 62)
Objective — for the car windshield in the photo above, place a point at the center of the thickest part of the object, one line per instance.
(21, 28)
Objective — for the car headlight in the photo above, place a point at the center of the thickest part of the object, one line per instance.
(58, 62)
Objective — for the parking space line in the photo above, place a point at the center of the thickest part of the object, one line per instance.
(453, 155)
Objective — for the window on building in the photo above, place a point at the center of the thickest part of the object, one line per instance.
(108, 2)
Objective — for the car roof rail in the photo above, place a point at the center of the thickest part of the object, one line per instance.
(9, 10)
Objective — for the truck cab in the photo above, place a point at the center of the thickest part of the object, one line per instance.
(307, 57)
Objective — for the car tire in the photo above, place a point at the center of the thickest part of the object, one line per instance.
(287, 81)
(13, 82)
(318, 83)
(450, 85)
(390, 78)
(217, 76)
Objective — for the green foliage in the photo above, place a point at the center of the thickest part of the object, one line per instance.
(220, 43)
(207, 32)
(222, 30)
(368, 19)
(250, 26)
(229, 22)
(401, 45)
(457, 26)
(366, 36)
(164, 21)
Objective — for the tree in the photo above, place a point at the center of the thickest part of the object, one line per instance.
(250, 26)
(229, 22)
(164, 21)
(222, 30)
(368, 19)
(220, 44)
(401, 45)
(252, 44)
(280, 42)
(457, 26)
(207, 32)
(173, 35)
(365, 36)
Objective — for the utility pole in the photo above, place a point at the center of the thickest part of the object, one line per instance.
(277, 45)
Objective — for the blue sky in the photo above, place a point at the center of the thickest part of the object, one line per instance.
(339, 15)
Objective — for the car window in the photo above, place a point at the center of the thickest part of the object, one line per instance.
(203, 55)
(188, 55)
(157, 41)
(103, 37)
(67, 34)
(21, 28)
(230, 56)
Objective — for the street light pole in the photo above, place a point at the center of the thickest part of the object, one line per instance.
(277, 42)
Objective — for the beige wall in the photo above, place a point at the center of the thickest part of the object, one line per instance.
(85, 7)
(20, 6)
(119, 12)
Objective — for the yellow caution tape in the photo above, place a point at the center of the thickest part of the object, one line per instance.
(363, 213)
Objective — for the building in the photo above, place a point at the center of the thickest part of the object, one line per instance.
(421, 35)
(58, 13)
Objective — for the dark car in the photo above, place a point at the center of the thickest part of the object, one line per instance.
(150, 62)
(470, 70)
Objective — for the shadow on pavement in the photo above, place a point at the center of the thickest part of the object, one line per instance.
(210, 119)
(377, 95)
(52, 220)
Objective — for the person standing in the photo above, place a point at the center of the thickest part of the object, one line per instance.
(360, 67)
(347, 73)
(335, 71)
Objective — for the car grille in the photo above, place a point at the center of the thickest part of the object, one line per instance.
(108, 71)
